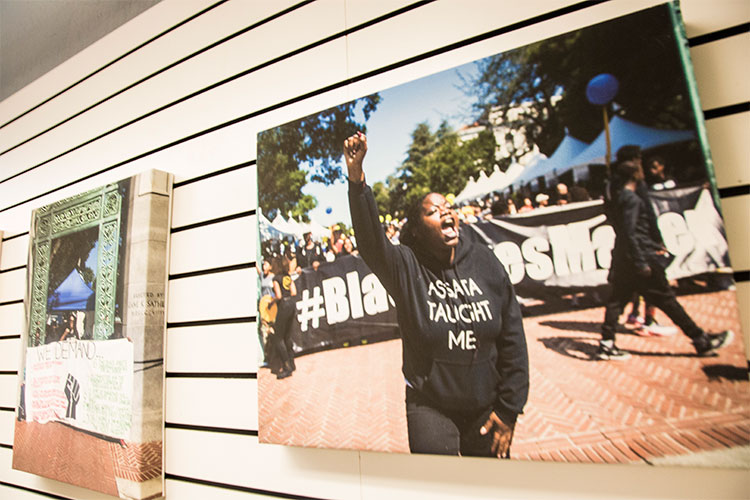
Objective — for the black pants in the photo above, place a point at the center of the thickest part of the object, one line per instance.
(657, 292)
(282, 340)
(439, 432)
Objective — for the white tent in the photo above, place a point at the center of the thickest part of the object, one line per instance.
(623, 132)
(467, 193)
(267, 229)
(558, 162)
(317, 230)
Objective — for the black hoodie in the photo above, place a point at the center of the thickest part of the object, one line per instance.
(464, 346)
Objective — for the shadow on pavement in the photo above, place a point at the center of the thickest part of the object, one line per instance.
(727, 372)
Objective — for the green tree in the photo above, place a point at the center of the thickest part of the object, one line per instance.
(540, 89)
(440, 163)
(306, 150)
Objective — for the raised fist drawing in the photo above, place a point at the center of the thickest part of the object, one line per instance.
(73, 393)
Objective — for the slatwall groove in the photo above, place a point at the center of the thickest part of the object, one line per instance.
(733, 191)
(11, 269)
(211, 322)
(730, 109)
(247, 375)
(255, 491)
(719, 35)
(202, 272)
(16, 489)
(208, 175)
(203, 428)
(8, 238)
(210, 222)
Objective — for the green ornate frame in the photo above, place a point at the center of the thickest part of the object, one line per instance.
(100, 207)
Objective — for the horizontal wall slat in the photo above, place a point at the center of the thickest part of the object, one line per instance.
(435, 477)
(231, 294)
(8, 390)
(10, 354)
(721, 71)
(242, 461)
(215, 245)
(215, 197)
(229, 403)
(736, 210)
(12, 285)
(7, 426)
(17, 493)
(13, 253)
(730, 149)
(11, 319)
(703, 17)
(176, 488)
(206, 348)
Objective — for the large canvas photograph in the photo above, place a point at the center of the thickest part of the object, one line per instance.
(521, 257)
(91, 385)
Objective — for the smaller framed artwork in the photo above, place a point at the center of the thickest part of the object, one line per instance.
(90, 393)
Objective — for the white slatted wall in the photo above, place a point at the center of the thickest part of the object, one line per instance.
(185, 87)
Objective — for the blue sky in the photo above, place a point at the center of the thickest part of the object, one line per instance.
(432, 99)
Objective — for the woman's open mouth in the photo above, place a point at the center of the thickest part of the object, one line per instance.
(448, 228)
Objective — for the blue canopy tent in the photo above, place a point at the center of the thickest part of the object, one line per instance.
(72, 294)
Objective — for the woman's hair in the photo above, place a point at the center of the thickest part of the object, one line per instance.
(280, 265)
(413, 217)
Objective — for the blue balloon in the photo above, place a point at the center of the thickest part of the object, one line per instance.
(602, 89)
(329, 210)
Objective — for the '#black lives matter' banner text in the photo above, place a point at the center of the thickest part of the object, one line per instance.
(344, 304)
(341, 304)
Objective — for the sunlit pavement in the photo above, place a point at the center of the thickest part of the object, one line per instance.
(660, 406)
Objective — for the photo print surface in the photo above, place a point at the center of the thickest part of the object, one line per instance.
(91, 387)
(523, 257)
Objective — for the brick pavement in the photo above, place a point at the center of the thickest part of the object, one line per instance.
(663, 402)
(66, 454)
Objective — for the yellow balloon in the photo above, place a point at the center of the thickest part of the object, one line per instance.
(381, 219)
(450, 198)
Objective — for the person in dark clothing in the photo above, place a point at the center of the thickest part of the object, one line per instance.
(465, 360)
(309, 252)
(638, 263)
(284, 292)
(645, 325)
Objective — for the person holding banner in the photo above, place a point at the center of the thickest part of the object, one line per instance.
(639, 261)
(465, 360)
